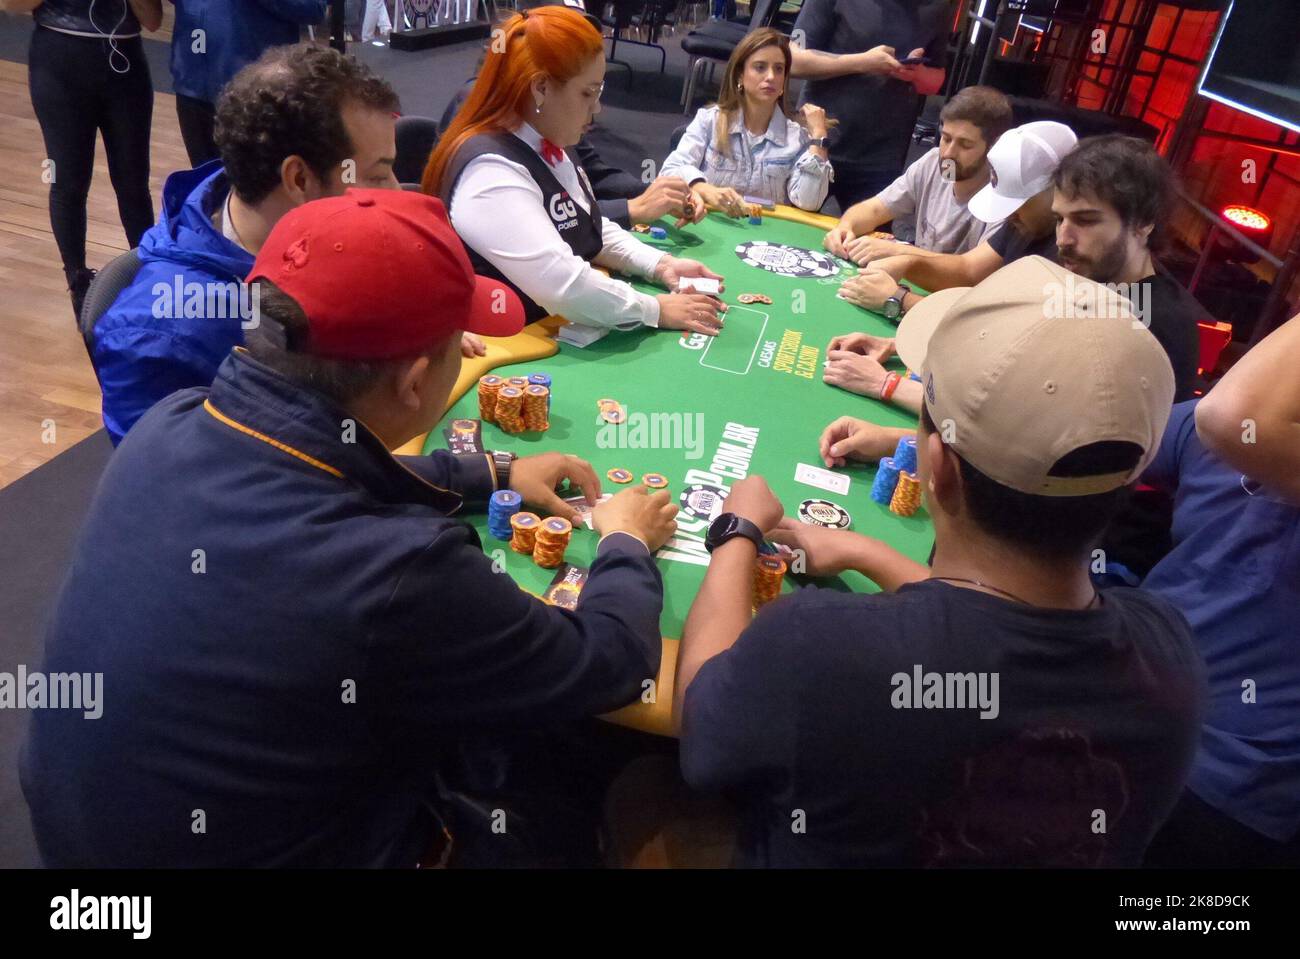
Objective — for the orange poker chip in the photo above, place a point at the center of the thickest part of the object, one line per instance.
(655, 480)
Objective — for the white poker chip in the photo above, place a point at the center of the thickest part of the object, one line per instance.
(822, 512)
(703, 501)
(786, 260)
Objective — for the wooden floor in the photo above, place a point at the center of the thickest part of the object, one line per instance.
(49, 398)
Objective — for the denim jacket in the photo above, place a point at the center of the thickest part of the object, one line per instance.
(778, 168)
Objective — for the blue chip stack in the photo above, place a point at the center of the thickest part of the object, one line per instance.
(658, 233)
(882, 488)
(756, 220)
(905, 455)
(504, 504)
(541, 379)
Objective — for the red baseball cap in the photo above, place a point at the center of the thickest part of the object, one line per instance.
(381, 274)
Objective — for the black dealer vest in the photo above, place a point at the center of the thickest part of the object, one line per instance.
(578, 228)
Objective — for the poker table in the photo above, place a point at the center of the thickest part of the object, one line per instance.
(703, 411)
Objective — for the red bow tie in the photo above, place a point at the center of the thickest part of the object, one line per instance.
(551, 153)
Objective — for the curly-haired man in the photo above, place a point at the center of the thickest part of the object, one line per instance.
(300, 123)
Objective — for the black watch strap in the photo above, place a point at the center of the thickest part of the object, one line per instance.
(733, 526)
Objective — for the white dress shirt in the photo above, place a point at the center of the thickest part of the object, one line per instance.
(498, 210)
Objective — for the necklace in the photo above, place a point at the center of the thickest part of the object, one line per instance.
(1010, 595)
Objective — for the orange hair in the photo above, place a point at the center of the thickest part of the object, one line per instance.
(555, 42)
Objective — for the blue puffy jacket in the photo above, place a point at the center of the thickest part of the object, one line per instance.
(235, 32)
(142, 357)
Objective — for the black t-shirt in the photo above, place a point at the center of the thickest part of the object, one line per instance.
(1011, 243)
(1173, 316)
(876, 114)
(1093, 720)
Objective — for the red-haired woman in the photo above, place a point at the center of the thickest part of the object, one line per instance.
(523, 207)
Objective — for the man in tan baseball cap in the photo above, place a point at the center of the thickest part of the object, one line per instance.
(993, 708)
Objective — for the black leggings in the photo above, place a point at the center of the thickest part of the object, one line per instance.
(76, 93)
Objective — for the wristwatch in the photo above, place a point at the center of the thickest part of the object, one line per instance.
(501, 461)
(819, 142)
(729, 526)
(893, 307)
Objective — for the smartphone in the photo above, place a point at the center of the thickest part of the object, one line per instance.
(914, 61)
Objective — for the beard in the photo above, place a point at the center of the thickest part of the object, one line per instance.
(1104, 268)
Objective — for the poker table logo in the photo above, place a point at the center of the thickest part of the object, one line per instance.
(703, 501)
(786, 260)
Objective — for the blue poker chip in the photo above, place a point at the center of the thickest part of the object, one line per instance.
(658, 233)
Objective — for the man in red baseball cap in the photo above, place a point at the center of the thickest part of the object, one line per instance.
(295, 631)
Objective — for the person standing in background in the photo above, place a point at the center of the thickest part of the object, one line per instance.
(874, 94)
(215, 39)
(87, 73)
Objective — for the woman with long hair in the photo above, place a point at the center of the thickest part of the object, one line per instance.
(749, 143)
(524, 208)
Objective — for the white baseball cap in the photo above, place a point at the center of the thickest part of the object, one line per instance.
(1021, 165)
(1034, 363)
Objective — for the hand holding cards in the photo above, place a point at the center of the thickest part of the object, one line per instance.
(699, 284)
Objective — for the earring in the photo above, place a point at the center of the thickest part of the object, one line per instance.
(538, 108)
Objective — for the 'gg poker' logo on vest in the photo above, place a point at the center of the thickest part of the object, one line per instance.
(563, 211)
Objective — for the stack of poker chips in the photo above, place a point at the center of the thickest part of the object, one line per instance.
(907, 495)
(488, 388)
(510, 409)
(769, 571)
(905, 455)
(504, 504)
(551, 542)
(536, 405)
(882, 488)
(541, 379)
(524, 527)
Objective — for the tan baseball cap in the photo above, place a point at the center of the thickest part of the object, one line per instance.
(1034, 363)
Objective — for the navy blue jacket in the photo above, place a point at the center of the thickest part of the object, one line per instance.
(146, 347)
(235, 33)
(326, 566)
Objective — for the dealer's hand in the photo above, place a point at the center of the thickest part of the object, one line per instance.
(869, 290)
(879, 348)
(854, 372)
(752, 499)
(699, 208)
(722, 198)
(670, 269)
(650, 517)
(867, 249)
(826, 552)
(471, 345)
(837, 238)
(849, 438)
(665, 195)
(696, 312)
(536, 478)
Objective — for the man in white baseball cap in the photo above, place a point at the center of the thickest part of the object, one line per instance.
(999, 701)
(1020, 189)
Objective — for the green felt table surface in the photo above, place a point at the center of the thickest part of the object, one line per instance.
(757, 382)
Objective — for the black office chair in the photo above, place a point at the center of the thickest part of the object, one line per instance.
(103, 290)
(714, 41)
(416, 137)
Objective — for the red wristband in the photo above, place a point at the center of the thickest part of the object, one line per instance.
(891, 383)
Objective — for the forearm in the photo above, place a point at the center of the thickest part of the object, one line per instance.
(719, 614)
(819, 65)
(909, 395)
(1251, 419)
(886, 566)
(19, 6)
(810, 181)
(862, 218)
(938, 271)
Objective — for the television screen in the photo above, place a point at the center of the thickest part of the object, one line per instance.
(1254, 64)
